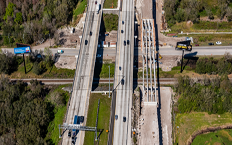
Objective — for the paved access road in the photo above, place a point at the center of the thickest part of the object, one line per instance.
(120, 134)
(78, 104)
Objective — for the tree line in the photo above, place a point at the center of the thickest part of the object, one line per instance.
(29, 21)
(184, 10)
(24, 114)
(9, 62)
(206, 95)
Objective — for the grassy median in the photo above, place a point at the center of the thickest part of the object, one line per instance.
(188, 123)
(103, 118)
(223, 136)
(110, 4)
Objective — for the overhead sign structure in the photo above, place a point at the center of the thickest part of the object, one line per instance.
(22, 50)
(184, 45)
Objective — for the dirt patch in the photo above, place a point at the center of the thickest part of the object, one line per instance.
(68, 62)
(168, 62)
(214, 20)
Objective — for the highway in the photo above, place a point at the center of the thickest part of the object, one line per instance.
(202, 50)
(120, 131)
(82, 84)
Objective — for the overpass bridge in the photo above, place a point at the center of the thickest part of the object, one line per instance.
(79, 100)
(120, 129)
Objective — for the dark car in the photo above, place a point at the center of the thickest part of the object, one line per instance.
(196, 44)
(121, 31)
(122, 81)
(128, 42)
(122, 22)
(69, 133)
(86, 42)
(120, 68)
(124, 119)
(124, 43)
(81, 118)
(211, 43)
(116, 117)
(90, 33)
(95, 2)
(73, 140)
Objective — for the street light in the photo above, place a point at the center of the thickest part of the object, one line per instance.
(109, 81)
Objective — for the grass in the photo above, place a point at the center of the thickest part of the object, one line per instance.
(188, 123)
(51, 72)
(202, 26)
(103, 119)
(108, 4)
(175, 72)
(220, 136)
(204, 39)
(59, 111)
(110, 22)
(101, 70)
(80, 7)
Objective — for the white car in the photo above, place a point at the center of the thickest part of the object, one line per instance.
(98, 56)
(60, 51)
(218, 43)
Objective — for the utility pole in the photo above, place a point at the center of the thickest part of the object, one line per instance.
(109, 81)
(50, 39)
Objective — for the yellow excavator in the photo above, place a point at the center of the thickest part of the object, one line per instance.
(160, 57)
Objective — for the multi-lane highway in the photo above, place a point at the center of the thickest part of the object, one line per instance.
(120, 129)
(84, 72)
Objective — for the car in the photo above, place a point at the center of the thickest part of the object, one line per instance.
(73, 140)
(60, 51)
(124, 43)
(128, 42)
(218, 43)
(95, 2)
(196, 44)
(124, 119)
(120, 67)
(69, 133)
(122, 81)
(121, 31)
(99, 55)
(211, 43)
(90, 33)
(116, 117)
(81, 118)
(86, 42)
(122, 22)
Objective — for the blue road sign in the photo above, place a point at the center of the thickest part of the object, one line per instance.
(22, 50)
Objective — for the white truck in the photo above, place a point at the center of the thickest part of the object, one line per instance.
(98, 7)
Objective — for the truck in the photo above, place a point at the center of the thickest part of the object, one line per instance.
(184, 45)
(98, 7)
(76, 121)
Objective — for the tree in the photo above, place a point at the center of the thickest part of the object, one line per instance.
(180, 15)
(36, 68)
(229, 14)
(18, 19)
(9, 10)
(61, 13)
(48, 56)
(210, 14)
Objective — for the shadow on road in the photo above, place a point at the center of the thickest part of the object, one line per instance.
(158, 81)
(135, 66)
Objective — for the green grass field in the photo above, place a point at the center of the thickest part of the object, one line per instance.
(110, 22)
(80, 8)
(188, 123)
(168, 74)
(59, 113)
(103, 119)
(223, 137)
(204, 39)
(108, 4)
(51, 72)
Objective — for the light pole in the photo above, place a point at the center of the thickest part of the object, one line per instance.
(109, 81)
